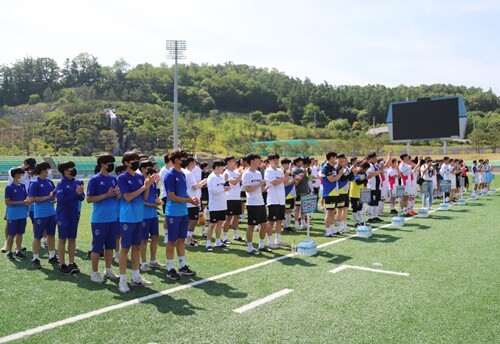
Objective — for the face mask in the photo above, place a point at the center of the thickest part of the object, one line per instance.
(135, 165)
(110, 168)
(73, 172)
(184, 163)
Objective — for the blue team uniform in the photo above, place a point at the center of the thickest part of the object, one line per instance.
(44, 212)
(67, 209)
(104, 222)
(176, 212)
(150, 226)
(131, 213)
(16, 214)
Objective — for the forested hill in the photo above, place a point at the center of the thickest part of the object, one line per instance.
(68, 102)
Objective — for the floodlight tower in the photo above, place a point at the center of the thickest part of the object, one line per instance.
(176, 49)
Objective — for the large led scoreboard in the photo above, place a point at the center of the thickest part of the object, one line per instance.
(427, 119)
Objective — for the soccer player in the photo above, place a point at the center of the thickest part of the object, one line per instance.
(289, 194)
(489, 175)
(233, 197)
(42, 193)
(373, 177)
(132, 186)
(406, 173)
(118, 170)
(242, 167)
(275, 180)
(256, 210)
(104, 195)
(28, 167)
(150, 226)
(163, 194)
(393, 177)
(342, 202)
(427, 172)
(204, 196)
(69, 192)
(355, 187)
(446, 171)
(301, 188)
(177, 214)
(330, 192)
(217, 204)
(16, 200)
(193, 191)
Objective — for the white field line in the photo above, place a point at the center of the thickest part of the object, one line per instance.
(344, 267)
(100, 311)
(262, 301)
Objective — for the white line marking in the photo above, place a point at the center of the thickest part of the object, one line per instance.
(343, 267)
(262, 301)
(74, 319)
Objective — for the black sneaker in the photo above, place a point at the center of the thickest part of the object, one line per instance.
(288, 229)
(209, 249)
(10, 256)
(240, 239)
(54, 260)
(186, 271)
(173, 275)
(371, 220)
(192, 244)
(378, 219)
(73, 268)
(265, 249)
(64, 269)
(394, 211)
(253, 252)
(20, 255)
(36, 264)
(226, 242)
(222, 246)
(23, 248)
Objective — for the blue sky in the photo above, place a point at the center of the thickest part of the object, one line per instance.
(341, 42)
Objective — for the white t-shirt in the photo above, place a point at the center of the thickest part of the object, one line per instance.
(163, 172)
(197, 173)
(315, 174)
(216, 193)
(234, 192)
(191, 191)
(252, 178)
(429, 174)
(445, 171)
(275, 193)
(406, 173)
(372, 182)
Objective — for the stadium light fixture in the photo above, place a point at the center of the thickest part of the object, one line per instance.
(176, 51)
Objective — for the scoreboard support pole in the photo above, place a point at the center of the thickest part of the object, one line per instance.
(445, 147)
(408, 147)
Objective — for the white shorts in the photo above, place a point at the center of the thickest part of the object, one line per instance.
(476, 179)
(482, 177)
(410, 190)
(384, 192)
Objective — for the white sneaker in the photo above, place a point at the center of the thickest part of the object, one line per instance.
(123, 287)
(281, 243)
(156, 264)
(4, 247)
(142, 282)
(145, 267)
(97, 278)
(274, 246)
(109, 274)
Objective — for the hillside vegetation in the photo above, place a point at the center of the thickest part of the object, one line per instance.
(50, 109)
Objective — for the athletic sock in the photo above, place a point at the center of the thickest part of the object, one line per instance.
(52, 254)
(278, 237)
(182, 261)
(123, 277)
(270, 240)
(225, 235)
(36, 256)
(249, 246)
(135, 275)
(236, 234)
(209, 243)
(170, 264)
(261, 243)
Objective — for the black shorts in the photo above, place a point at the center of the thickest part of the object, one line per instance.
(216, 216)
(342, 201)
(316, 190)
(243, 196)
(256, 214)
(289, 203)
(375, 198)
(276, 212)
(330, 202)
(193, 213)
(356, 205)
(233, 207)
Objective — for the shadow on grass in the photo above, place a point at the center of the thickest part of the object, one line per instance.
(218, 289)
(167, 304)
(296, 261)
(378, 238)
(417, 225)
(435, 216)
(334, 258)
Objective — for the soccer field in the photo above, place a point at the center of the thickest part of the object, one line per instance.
(435, 280)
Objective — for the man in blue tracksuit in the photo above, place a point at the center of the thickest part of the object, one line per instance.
(69, 193)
